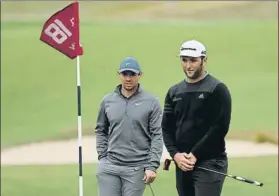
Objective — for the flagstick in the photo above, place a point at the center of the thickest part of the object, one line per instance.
(79, 129)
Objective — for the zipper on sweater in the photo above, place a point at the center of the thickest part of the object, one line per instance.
(126, 107)
(127, 101)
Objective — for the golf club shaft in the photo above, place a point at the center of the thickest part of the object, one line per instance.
(234, 177)
(151, 190)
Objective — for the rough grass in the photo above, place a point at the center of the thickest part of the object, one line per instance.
(267, 138)
(166, 10)
(258, 136)
(88, 130)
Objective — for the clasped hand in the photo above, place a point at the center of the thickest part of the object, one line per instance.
(185, 162)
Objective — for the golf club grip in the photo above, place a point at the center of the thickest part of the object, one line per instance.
(247, 180)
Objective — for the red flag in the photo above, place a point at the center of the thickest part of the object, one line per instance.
(61, 31)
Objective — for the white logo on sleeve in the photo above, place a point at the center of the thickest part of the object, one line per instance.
(176, 99)
(201, 96)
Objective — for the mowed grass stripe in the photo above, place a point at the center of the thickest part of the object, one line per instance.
(39, 85)
(62, 180)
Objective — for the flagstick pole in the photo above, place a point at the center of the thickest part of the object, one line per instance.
(79, 128)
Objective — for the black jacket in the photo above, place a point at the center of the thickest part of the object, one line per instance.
(196, 118)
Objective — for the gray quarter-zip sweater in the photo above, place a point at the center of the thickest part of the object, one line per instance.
(128, 130)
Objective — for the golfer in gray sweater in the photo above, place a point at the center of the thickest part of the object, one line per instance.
(129, 136)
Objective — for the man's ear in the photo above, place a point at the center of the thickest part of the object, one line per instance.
(205, 59)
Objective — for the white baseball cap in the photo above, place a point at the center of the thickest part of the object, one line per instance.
(192, 48)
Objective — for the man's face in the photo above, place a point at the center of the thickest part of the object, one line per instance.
(129, 80)
(192, 66)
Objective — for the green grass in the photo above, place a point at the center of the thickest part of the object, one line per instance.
(178, 10)
(63, 180)
(39, 84)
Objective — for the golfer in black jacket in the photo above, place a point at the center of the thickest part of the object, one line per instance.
(196, 119)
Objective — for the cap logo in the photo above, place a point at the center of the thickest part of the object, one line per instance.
(127, 64)
(188, 49)
(203, 52)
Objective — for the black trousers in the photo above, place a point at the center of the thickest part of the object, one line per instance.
(202, 183)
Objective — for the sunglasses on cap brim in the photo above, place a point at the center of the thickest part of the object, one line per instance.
(129, 73)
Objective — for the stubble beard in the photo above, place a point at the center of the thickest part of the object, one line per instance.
(130, 89)
(196, 74)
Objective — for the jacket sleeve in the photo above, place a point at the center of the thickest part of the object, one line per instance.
(101, 131)
(220, 123)
(169, 126)
(156, 150)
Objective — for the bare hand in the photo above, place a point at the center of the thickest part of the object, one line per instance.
(191, 157)
(149, 176)
(183, 162)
